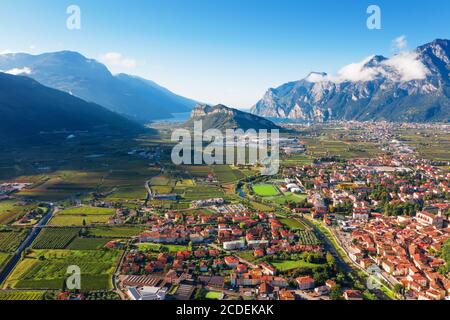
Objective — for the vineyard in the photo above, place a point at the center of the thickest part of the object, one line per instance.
(308, 238)
(21, 295)
(55, 238)
(10, 239)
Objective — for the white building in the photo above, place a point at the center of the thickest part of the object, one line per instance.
(147, 293)
(234, 245)
(428, 218)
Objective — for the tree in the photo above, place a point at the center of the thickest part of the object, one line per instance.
(336, 293)
(330, 260)
(399, 289)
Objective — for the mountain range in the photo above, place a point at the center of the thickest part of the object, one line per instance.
(28, 108)
(222, 118)
(136, 98)
(412, 86)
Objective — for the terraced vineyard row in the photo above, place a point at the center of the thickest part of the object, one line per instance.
(55, 238)
(21, 296)
(308, 238)
(10, 239)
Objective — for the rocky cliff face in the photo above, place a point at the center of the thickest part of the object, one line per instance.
(222, 118)
(411, 86)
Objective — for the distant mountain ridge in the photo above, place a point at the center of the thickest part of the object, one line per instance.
(138, 99)
(222, 118)
(28, 108)
(409, 87)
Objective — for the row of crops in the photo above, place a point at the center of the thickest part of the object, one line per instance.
(21, 295)
(55, 238)
(307, 238)
(10, 239)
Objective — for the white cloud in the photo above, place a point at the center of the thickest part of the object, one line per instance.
(356, 72)
(408, 66)
(315, 77)
(403, 67)
(400, 43)
(18, 71)
(117, 60)
(6, 52)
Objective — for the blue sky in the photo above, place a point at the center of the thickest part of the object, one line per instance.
(221, 51)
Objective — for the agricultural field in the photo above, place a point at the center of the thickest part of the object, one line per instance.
(289, 265)
(284, 198)
(10, 239)
(11, 210)
(293, 224)
(297, 160)
(88, 243)
(62, 185)
(214, 295)
(225, 174)
(55, 238)
(4, 257)
(115, 231)
(185, 183)
(128, 192)
(160, 181)
(430, 144)
(265, 190)
(87, 211)
(308, 238)
(78, 221)
(154, 247)
(327, 145)
(21, 295)
(198, 171)
(46, 269)
(201, 192)
(261, 207)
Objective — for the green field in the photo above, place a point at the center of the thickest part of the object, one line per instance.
(21, 295)
(88, 243)
(293, 224)
(225, 174)
(63, 184)
(47, 269)
(55, 238)
(284, 198)
(10, 239)
(349, 147)
(4, 257)
(288, 265)
(213, 295)
(265, 190)
(88, 211)
(201, 192)
(77, 221)
(308, 238)
(115, 232)
(11, 210)
(154, 247)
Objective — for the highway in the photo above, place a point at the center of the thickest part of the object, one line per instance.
(24, 245)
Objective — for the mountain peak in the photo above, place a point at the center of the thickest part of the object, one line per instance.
(316, 77)
(409, 87)
(222, 117)
(90, 80)
(375, 61)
